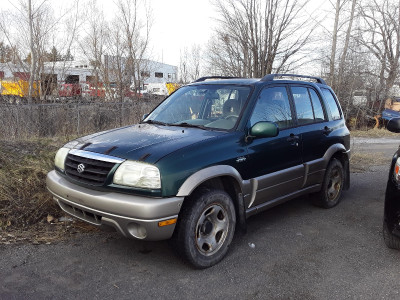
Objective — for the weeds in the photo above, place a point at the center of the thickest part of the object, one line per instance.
(24, 200)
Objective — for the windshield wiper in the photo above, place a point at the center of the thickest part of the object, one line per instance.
(155, 122)
(185, 124)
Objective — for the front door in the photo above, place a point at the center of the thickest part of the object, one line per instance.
(274, 164)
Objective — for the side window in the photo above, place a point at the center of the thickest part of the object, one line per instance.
(316, 102)
(302, 103)
(273, 106)
(331, 103)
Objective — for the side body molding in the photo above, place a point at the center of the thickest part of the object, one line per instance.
(203, 175)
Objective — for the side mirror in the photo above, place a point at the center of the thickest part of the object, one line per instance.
(393, 125)
(264, 130)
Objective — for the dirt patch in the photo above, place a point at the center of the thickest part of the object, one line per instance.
(362, 161)
(45, 233)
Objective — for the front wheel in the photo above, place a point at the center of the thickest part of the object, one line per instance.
(205, 228)
(332, 186)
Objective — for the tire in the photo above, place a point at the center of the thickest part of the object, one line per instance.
(332, 186)
(391, 241)
(205, 228)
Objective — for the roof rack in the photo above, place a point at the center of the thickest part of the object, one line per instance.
(214, 77)
(271, 77)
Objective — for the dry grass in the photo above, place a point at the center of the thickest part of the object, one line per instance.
(374, 133)
(23, 168)
(27, 210)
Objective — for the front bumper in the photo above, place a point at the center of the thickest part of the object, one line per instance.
(133, 216)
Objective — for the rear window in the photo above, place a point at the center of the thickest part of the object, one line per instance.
(332, 104)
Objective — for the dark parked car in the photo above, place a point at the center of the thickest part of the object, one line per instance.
(391, 218)
(211, 155)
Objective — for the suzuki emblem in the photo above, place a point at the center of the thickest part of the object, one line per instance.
(80, 168)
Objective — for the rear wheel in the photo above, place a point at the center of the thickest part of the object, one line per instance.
(332, 186)
(205, 227)
(390, 239)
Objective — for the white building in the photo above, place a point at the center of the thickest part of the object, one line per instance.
(151, 72)
(147, 72)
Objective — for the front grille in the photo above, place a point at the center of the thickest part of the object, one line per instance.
(95, 171)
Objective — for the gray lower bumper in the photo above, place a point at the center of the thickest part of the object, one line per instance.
(133, 216)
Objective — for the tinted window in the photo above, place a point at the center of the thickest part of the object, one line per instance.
(318, 110)
(273, 106)
(302, 102)
(331, 102)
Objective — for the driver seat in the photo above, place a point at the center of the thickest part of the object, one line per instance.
(230, 107)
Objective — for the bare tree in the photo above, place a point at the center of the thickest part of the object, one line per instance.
(117, 49)
(346, 44)
(340, 46)
(32, 27)
(257, 37)
(135, 34)
(40, 20)
(338, 8)
(28, 31)
(190, 64)
(94, 42)
(380, 35)
(33, 51)
(184, 66)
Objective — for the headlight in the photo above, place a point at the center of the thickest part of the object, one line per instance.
(396, 171)
(59, 160)
(138, 174)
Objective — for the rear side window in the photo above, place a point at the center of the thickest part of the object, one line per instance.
(331, 103)
(302, 102)
(308, 105)
(318, 110)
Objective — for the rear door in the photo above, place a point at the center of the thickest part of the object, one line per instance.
(314, 129)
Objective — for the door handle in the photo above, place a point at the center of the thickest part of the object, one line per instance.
(327, 130)
(293, 139)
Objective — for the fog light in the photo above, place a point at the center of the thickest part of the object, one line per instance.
(136, 230)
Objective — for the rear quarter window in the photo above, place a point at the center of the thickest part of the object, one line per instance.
(331, 103)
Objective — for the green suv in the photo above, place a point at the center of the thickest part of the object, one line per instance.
(211, 155)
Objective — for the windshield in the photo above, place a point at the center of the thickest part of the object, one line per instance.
(206, 106)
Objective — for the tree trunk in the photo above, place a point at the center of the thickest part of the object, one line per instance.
(33, 52)
(346, 46)
(334, 43)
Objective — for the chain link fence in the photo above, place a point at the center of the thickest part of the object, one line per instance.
(69, 118)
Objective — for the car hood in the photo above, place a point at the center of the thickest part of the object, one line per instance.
(144, 142)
